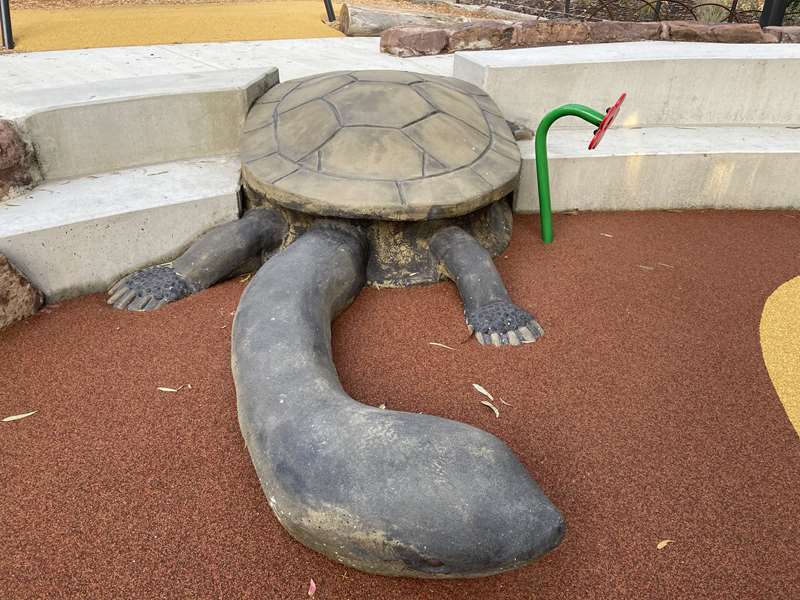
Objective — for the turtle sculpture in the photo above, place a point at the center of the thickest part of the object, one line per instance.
(385, 178)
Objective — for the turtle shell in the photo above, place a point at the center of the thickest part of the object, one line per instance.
(387, 145)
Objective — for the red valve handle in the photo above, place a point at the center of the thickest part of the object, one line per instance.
(611, 114)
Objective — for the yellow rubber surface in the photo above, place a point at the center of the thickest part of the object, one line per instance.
(65, 29)
(780, 344)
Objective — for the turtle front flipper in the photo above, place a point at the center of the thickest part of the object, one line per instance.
(216, 255)
(488, 309)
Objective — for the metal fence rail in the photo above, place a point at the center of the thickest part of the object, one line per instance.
(734, 11)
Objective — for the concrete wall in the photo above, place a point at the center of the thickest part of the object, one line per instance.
(668, 83)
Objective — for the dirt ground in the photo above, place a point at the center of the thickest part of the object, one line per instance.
(75, 24)
(106, 26)
(646, 413)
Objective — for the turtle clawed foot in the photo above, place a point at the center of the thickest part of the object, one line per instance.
(148, 289)
(503, 324)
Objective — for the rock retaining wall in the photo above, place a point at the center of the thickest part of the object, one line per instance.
(18, 298)
(484, 35)
(18, 170)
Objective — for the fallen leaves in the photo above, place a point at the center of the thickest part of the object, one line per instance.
(493, 407)
(663, 544)
(441, 345)
(188, 386)
(488, 403)
(483, 391)
(18, 417)
(312, 588)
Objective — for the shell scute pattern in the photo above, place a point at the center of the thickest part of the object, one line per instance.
(380, 129)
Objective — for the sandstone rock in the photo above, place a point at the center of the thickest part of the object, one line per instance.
(18, 298)
(738, 33)
(482, 36)
(621, 31)
(17, 164)
(540, 33)
(414, 41)
(368, 21)
(685, 31)
(789, 34)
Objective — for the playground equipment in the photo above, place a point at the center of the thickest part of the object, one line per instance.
(603, 122)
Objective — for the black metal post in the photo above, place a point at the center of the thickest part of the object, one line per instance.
(763, 20)
(773, 13)
(328, 9)
(5, 24)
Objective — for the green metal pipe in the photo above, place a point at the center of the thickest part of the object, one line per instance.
(542, 173)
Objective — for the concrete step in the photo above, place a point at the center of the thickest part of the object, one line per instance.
(78, 236)
(103, 126)
(30, 71)
(668, 83)
(667, 167)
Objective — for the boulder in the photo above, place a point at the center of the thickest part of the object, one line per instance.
(482, 36)
(541, 33)
(17, 164)
(414, 41)
(789, 34)
(368, 21)
(18, 298)
(622, 31)
(726, 33)
(685, 31)
(739, 33)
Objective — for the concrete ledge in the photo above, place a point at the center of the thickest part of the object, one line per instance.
(666, 167)
(103, 126)
(668, 83)
(78, 236)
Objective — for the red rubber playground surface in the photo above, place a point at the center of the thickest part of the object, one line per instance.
(646, 414)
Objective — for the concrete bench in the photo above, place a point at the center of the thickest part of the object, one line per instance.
(77, 236)
(103, 126)
(668, 83)
(704, 125)
(134, 170)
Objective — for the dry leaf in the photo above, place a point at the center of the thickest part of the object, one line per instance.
(666, 265)
(246, 278)
(18, 417)
(506, 403)
(483, 391)
(440, 345)
(382, 406)
(663, 544)
(312, 588)
(646, 268)
(188, 386)
(607, 235)
(493, 407)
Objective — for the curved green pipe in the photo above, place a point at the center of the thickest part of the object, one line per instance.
(542, 173)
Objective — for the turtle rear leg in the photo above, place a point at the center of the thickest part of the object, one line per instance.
(488, 309)
(216, 255)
